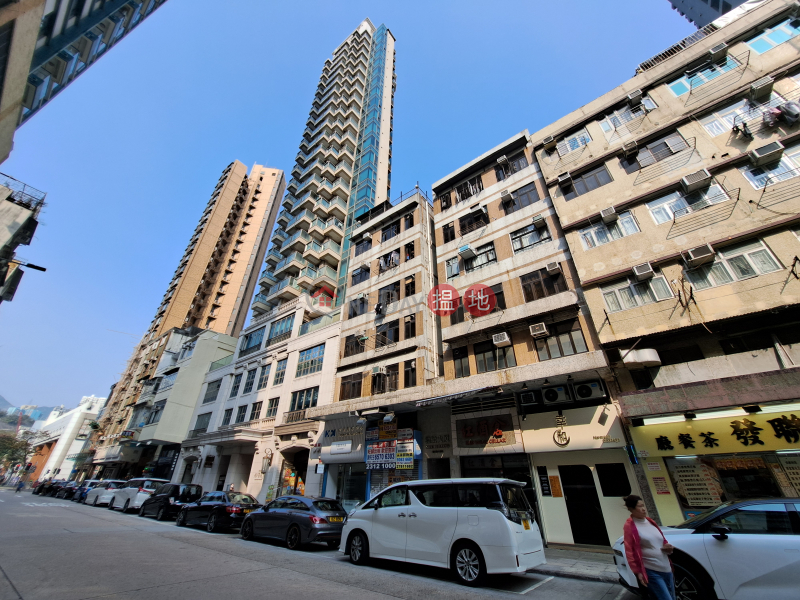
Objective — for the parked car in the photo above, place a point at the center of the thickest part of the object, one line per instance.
(472, 526)
(133, 493)
(53, 487)
(297, 520)
(738, 550)
(102, 494)
(168, 500)
(218, 510)
(67, 490)
(81, 491)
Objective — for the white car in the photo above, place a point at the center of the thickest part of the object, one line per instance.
(736, 551)
(103, 492)
(134, 492)
(472, 526)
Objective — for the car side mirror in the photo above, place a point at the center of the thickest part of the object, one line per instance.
(721, 532)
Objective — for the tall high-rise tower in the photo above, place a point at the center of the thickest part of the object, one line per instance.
(342, 170)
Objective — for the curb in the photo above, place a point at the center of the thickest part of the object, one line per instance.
(570, 574)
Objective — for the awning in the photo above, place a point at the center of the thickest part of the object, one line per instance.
(451, 397)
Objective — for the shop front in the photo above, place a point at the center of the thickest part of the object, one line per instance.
(392, 455)
(694, 464)
(342, 463)
(582, 471)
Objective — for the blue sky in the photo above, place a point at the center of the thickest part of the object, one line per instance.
(130, 153)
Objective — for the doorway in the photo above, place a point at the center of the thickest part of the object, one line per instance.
(224, 463)
(187, 472)
(583, 505)
(293, 480)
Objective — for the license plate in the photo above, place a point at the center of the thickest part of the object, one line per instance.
(526, 524)
(247, 510)
(335, 519)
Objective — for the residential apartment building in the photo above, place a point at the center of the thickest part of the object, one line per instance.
(678, 194)
(211, 287)
(257, 435)
(703, 12)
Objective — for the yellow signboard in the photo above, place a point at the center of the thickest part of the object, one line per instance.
(723, 435)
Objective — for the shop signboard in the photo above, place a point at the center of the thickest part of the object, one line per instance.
(405, 434)
(485, 432)
(381, 455)
(544, 481)
(371, 434)
(586, 428)
(405, 455)
(341, 447)
(387, 431)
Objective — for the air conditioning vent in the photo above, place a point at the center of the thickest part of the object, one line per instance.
(555, 395)
(538, 330)
(760, 89)
(766, 154)
(501, 340)
(695, 181)
(630, 149)
(35, 90)
(643, 271)
(553, 268)
(527, 399)
(718, 52)
(635, 98)
(502, 160)
(589, 390)
(549, 143)
(505, 196)
(61, 66)
(379, 370)
(564, 180)
(609, 215)
(466, 252)
(538, 221)
(361, 296)
(699, 256)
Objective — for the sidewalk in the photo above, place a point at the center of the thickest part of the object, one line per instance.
(578, 563)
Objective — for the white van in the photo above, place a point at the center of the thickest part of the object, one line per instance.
(472, 526)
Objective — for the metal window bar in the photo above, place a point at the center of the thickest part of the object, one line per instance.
(629, 124)
(705, 203)
(666, 161)
(382, 342)
(23, 194)
(701, 91)
(780, 188)
(753, 121)
(685, 43)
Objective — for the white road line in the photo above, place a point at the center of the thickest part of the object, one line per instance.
(621, 594)
(535, 585)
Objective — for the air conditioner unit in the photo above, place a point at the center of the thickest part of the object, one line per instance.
(361, 296)
(609, 215)
(589, 390)
(564, 179)
(379, 370)
(635, 98)
(643, 271)
(505, 196)
(538, 330)
(110, 28)
(718, 52)
(501, 340)
(695, 181)
(502, 160)
(629, 149)
(538, 221)
(549, 143)
(35, 90)
(555, 395)
(553, 268)
(366, 236)
(466, 252)
(87, 46)
(766, 154)
(760, 89)
(699, 256)
(61, 66)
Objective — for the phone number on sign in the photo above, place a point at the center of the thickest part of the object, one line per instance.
(383, 465)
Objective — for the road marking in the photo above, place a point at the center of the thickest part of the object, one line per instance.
(533, 587)
(621, 594)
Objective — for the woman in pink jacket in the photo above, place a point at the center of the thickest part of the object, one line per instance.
(647, 551)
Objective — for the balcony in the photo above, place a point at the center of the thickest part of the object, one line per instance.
(294, 416)
(335, 207)
(273, 256)
(193, 433)
(267, 278)
(302, 203)
(326, 276)
(301, 220)
(334, 229)
(292, 263)
(284, 217)
(260, 305)
(306, 277)
(313, 252)
(286, 289)
(331, 252)
(317, 228)
(279, 235)
(319, 323)
(296, 242)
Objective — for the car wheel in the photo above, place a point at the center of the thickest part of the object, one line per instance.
(468, 564)
(358, 548)
(161, 514)
(111, 504)
(93, 503)
(141, 511)
(689, 586)
(212, 524)
(181, 520)
(333, 544)
(247, 530)
(126, 506)
(293, 538)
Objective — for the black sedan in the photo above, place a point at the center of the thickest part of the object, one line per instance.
(168, 500)
(68, 490)
(218, 510)
(297, 520)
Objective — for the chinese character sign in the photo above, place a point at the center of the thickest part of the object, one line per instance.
(485, 432)
(443, 300)
(479, 300)
(381, 455)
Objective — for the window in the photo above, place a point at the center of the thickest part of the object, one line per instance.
(202, 422)
(483, 256)
(360, 274)
(249, 381)
(358, 306)
(472, 221)
(156, 412)
(351, 387)
(565, 339)
(586, 183)
(264, 379)
(387, 333)
(352, 345)
(489, 357)
(410, 286)
(734, 263)
(255, 411)
(540, 284)
(451, 267)
(602, 233)
(461, 362)
(675, 205)
(524, 196)
(511, 166)
(280, 330)
(654, 152)
(528, 237)
(722, 120)
(774, 36)
(449, 232)
(168, 381)
(500, 297)
(785, 168)
(757, 519)
(410, 373)
(304, 399)
(386, 382)
(241, 413)
(390, 231)
(389, 293)
(445, 201)
(310, 361)
(410, 327)
(394, 497)
(408, 221)
(457, 316)
(469, 188)
(408, 249)
(237, 381)
(693, 80)
(573, 142)
(252, 342)
(477, 495)
(629, 293)
(280, 372)
(390, 260)
(620, 117)
(212, 391)
(272, 407)
(363, 246)
(434, 495)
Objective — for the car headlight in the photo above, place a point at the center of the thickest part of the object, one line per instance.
(618, 552)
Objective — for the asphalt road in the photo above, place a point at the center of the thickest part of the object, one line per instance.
(53, 549)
